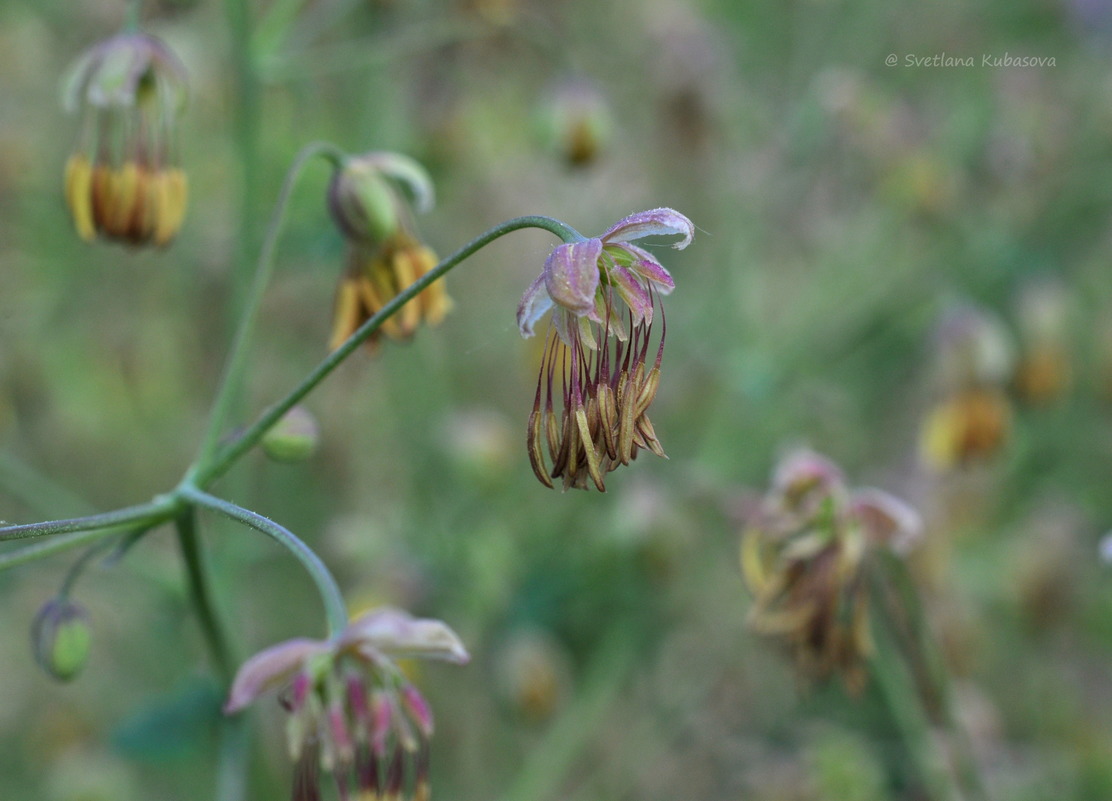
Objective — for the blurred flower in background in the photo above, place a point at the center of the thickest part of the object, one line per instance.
(804, 557)
(972, 418)
(1043, 373)
(123, 181)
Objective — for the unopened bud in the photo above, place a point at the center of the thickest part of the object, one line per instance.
(294, 438)
(60, 638)
(363, 196)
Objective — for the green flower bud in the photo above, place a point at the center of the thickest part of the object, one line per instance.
(363, 196)
(60, 638)
(294, 438)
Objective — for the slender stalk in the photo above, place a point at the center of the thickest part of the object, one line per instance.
(933, 680)
(200, 592)
(54, 545)
(78, 568)
(207, 471)
(335, 608)
(237, 360)
(156, 511)
(898, 692)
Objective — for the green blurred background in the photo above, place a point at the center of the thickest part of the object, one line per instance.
(842, 206)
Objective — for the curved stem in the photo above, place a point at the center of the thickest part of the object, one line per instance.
(157, 511)
(334, 605)
(237, 360)
(200, 591)
(79, 567)
(224, 458)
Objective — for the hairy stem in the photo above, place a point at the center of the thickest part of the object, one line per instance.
(149, 514)
(237, 360)
(207, 471)
(55, 545)
(335, 608)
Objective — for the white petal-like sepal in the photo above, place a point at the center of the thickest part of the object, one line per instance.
(534, 303)
(654, 222)
(396, 633)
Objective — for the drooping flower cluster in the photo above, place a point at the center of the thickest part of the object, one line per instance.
(352, 713)
(123, 181)
(606, 291)
(804, 557)
(385, 254)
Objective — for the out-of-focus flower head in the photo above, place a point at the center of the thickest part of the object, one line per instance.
(604, 293)
(1044, 372)
(385, 255)
(123, 181)
(576, 121)
(805, 556)
(352, 712)
(971, 419)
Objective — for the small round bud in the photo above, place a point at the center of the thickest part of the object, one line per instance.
(364, 198)
(362, 203)
(294, 438)
(60, 638)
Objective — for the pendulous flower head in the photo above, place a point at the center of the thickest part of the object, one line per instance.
(123, 181)
(385, 254)
(603, 293)
(352, 713)
(804, 557)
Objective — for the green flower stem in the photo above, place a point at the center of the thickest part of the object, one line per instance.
(934, 681)
(54, 545)
(78, 568)
(898, 692)
(233, 371)
(149, 514)
(334, 605)
(200, 592)
(208, 471)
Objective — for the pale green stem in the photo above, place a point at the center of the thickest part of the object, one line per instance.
(55, 545)
(898, 692)
(335, 608)
(930, 669)
(207, 471)
(237, 360)
(156, 511)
